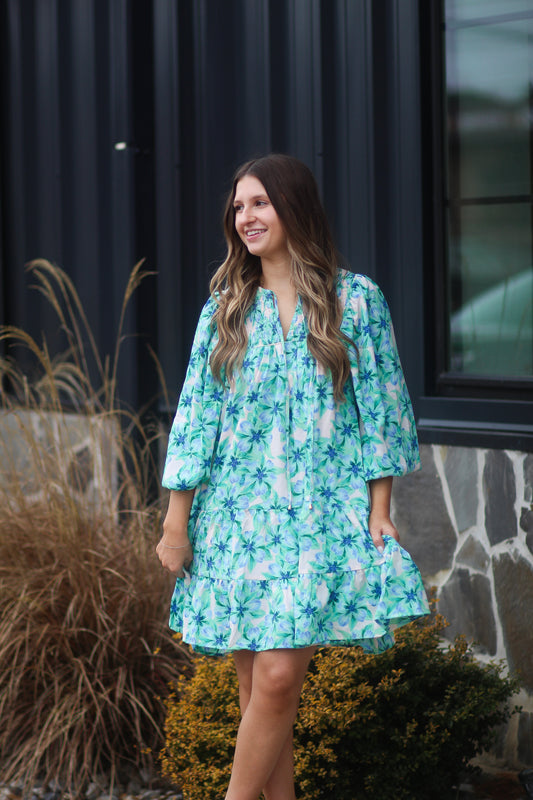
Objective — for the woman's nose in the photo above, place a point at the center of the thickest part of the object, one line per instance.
(248, 213)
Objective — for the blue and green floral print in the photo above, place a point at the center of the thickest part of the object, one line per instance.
(279, 525)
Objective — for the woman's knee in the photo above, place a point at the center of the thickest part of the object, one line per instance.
(280, 675)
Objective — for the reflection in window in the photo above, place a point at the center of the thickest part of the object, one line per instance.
(489, 121)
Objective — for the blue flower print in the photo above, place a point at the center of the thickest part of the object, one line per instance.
(279, 523)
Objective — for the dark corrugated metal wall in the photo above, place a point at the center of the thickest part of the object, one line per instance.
(195, 87)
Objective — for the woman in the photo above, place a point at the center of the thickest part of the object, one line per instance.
(293, 419)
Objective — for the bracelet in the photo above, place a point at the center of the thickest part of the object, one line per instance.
(174, 547)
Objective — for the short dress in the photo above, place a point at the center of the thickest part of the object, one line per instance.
(283, 557)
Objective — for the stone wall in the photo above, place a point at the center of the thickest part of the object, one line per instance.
(467, 519)
(82, 447)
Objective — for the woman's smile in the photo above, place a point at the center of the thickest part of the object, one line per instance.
(257, 222)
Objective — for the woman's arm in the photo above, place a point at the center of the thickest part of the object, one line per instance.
(174, 549)
(379, 522)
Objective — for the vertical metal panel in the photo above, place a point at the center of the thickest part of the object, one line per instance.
(253, 80)
(304, 81)
(349, 155)
(398, 177)
(80, 156)
(171, 328)
(408, 287)
(330, 81)
(14, 162)
(122, 180)
(47, 194)
(218, 103)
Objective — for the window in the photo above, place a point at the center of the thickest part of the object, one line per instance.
(489, 169)
(481, 366)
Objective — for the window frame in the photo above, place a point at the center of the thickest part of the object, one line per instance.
(455, 408)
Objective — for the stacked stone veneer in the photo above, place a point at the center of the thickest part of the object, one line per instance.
(467, 519)
(81, 447)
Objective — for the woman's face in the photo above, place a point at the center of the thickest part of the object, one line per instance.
(257, 222)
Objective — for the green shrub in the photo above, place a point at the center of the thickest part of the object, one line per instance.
(86, 656)
(404, 724)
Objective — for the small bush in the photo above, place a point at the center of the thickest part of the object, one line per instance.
(86, 656)
(404, 724)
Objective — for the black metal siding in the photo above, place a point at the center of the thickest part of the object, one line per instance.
(195, 87)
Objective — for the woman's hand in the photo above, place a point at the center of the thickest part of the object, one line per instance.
(379, 521)
(174, 558)
(174, 550)
(379, 527)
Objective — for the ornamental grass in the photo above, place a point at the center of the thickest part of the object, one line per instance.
(86, 655)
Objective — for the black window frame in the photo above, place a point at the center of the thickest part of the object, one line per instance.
(454, 409)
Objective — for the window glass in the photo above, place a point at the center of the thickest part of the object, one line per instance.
(489, 135)
(460, 10)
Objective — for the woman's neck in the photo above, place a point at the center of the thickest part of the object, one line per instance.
(276, 275)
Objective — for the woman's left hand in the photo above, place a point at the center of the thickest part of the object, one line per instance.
(380, 526)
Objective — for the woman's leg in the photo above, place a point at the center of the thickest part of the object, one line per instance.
(270, 686)
(280, 785)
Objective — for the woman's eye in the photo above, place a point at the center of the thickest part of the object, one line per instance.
(237, 209)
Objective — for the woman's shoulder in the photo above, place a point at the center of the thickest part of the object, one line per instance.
(206, 326)
(352, 285)
(208, 311)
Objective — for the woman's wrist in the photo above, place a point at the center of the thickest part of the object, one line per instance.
(175, 546)
(175, 538)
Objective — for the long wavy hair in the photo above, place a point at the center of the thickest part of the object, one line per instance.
(293, 192)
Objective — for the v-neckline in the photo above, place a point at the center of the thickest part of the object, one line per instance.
(284, 335)
(292, 323)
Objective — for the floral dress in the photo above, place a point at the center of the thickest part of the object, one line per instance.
(283, 557)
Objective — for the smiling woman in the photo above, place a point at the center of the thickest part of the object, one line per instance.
(258, 224)
(293, 419)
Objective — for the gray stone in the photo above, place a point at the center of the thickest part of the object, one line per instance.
(93, 791)
(465, 601)
(513, 580)
(80, 469)
(529, 540)
(525, 738)
(460, 467)
(499, 487)
(500, 733)
(526, 520)
(420, 514)
(17, 446)
(474, 555)
(528, 479)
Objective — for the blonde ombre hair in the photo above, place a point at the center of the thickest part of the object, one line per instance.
(293, 192)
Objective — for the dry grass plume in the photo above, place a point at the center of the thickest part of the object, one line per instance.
(85, 653)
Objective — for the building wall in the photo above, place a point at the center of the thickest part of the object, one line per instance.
(121, 124)
(467, 519)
